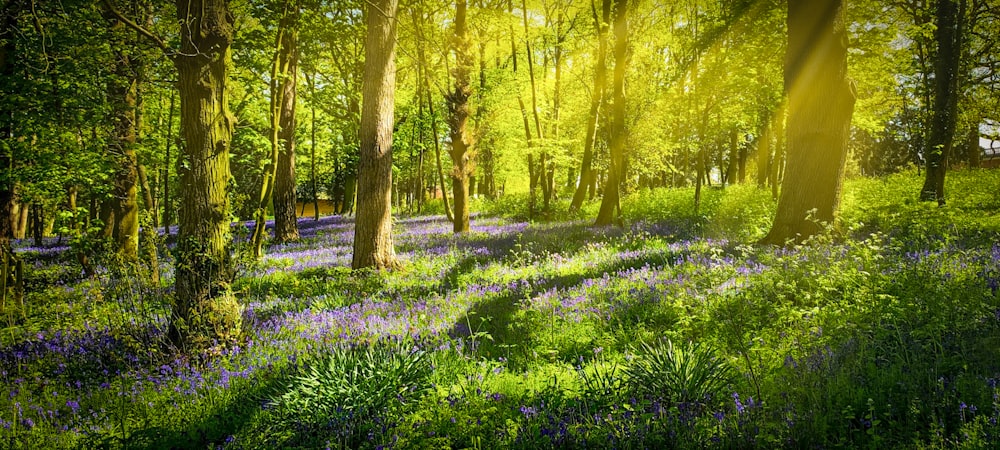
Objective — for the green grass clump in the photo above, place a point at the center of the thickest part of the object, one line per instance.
(691, 374)
(350, 393)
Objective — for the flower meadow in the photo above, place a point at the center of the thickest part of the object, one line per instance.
(675, 331)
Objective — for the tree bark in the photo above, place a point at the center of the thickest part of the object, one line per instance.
(285, 224)
(437, 156)
(282, 73)
(764, 153)
(167, 206)
(123, 225)
(373, 225)
(820, 105)
(778, 161)
(462, 142)
(8, 49)
(312, 149)
(205, 310)
(610, 201)
(540, 170)
(948, 36)
(734, 156)
(148, 231)
(484, 153)
(973, 152)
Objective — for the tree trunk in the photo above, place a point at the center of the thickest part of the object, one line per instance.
(778, 162)
(763, 155)
(373, 226)
(350, 193)
(734, 156)
(484, 153)
(312, 148)
(462, 142)
(8, 50)
(437, 156)
(205, 310)
(540, 170)
(948, 36)
(285, 224)
(699, 176)
(610, 202)
(820, 105)
(148, 230)
(972, 149)
(741, 171)
(37, 215)
(167, 206)
(122, 93)
(282, 73)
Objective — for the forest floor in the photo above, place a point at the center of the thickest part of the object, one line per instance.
(676, 331)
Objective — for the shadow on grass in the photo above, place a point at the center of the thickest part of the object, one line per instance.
(514, 338)
(213, 427)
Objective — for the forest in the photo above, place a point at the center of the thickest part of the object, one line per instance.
(242, 224)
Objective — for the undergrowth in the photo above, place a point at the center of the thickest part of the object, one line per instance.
(675, 331)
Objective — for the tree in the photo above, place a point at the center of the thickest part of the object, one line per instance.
(204, 306)
(373, 224)
(820, 104)
(596, 96)
(948, 37)
(204, 309)
(285, 224)
(8, 22)
(278, 181)
(120, 212)
(610, 202)
(462, 145)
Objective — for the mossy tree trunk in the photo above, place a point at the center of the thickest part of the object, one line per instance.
(820, 105)
(204, 309)
(373, 225)
(122, 209)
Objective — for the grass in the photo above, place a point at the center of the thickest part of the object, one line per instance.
(884, 333)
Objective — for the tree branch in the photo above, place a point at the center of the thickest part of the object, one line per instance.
(167, 51)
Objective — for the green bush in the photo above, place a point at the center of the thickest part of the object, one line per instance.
(354, 391)
(689, 374)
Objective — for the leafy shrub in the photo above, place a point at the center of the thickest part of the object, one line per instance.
(691, 374)
(515, 206)
(744, 213)
(355, 391)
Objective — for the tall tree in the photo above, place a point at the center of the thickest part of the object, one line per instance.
(948, 37)
(462, 143)
(820, 105)
(204, 308)
(8, 48)
(285, 224)
(281, 163)
(610, 202)
(373, 225)
(121, 210)
(600, 76)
